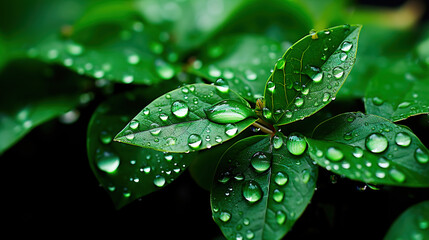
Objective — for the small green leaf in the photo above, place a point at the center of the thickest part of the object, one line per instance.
(128, 172)
(371, 149)
(259, 191)
(398, 92)
(413, 223)
(177, 122)
(243, 62)
(310, 73)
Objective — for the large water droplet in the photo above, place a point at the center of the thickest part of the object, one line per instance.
(376, 143)
(296, 144)
(228, 111)
(421, 156)
(252, 192)
(261, 161)
(159, 181)
(346, 46)
(179, 109)
(277, 142)
(357, 152)
(281, 178)
(280, 217)
(334, 154)
(278, 195)
(194, 141)
(134, 124)
(317, 77)
(225, 216)
(222, 86)
(155, 129)
(338, 72)
(397, 175)
(108, 162)
(299, 101)
(403, 139)
(231, 129)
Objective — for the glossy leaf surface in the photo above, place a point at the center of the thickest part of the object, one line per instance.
(127, 172)
(243, 62)
(413, 223)
(310, 73)
(177, 122)
(371, 149)
(260, 190)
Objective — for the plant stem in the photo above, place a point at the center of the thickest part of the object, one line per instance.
(263, 128)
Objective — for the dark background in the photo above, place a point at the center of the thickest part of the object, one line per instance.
(47, 188)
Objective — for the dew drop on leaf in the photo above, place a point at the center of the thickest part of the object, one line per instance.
(377, 101)
(421, 156)
(357, 152)
(338, 72)
(343, 56)
(403, 139)
(222, 86)
(261, 161)
(271, 86)
(163, 117)
(231, 129)
(267, 113)
(133, 59)
(134, 124)
(296, 144)
(105, 137)
(317, 77)
(278, 195)
(194, 141)
(299, 101)
(159, 181)
(334, 154)
(252, 192)
(397, 175)
(155, 129)
(225, 216)
(179, 109)
(280, 63)
(346, 46)
(277, 142)
(281, 178)
(280, 217)
(326, 97)
(228, 111)
(108, 162)
(376, 143)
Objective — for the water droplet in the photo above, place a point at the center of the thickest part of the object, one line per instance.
(163, 117)
(404, 105)
(326, 97)
(277, 142)
(222, 86)
(214, 71)
(133, 59)
(357, 152)
(218, 139)
(250, 75)
(280, 217)
(281, 178)
(346, 46)
(383, 163)
(194, 141)
(108, 162)
(179, 109)
(228, 111)
(261, 161)
(317, 77)
(278, 195)
(376, 143)
(377, 101)
(280, 63)
(159, 181)
(146, 111)
(334, 154)
(134, 124)
(128, 79)
(397, 175)
(421, 156)
(403, 139)
(296, 144)
(155, 129)
(252, 192)
(105, 137)
(306, 176)
(338, 72)
(271, 86)
(343, 56)
(231, 129)
(299, 101)
(74, 49)
(225, 216)
(250, 234)
(267, 113)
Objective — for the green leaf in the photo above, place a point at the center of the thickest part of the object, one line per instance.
(128, 172)
(371, 149)
(177, 122)
(259, 191)
(310, 74)
(243, 62)
(398, 92)
(31, 93)
(413, 223)
(132, 55)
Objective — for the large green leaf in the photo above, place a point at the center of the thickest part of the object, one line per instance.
(371, 149)
(260, 189)
(398, 91)
(243, 62)
(413, 223)
(127, 172)
(31, 93)
(310, 74)
(177, 122)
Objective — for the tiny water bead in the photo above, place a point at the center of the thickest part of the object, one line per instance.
(225, 216)
(194, 141)
(163, 117)
(338, 72)
(296, 144)
(421, 156)
(252, 192)
(299, 101)
(261, 161)
(403, 139)
(228, 111)
(281, 178)
(159, 181)
(376, 143)
(280, 217)
(334, 154)
(231, 129)
(179, 109)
